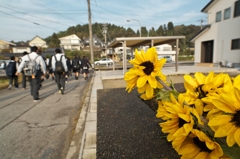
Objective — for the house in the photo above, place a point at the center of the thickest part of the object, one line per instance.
(219, 41)
(96, 42)
(39, 42)
(71, 42)
(119, 51)
(6, 46)
(21, 47)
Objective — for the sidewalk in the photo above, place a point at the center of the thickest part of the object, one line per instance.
(88, 118)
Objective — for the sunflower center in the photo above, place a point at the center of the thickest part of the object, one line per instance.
(201, 145)
(149, 67)
(236, 119)
(181, 122)
(202, 94)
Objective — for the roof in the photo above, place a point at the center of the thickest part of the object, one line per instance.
(21, 44)
(10, 43)
(36, 37)
(207, 27)
(140, 41)
(210, 4)
(69, 36)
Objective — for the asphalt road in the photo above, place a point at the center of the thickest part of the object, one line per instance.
(41, 130)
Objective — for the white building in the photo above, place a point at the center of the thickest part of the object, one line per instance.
(163, 50)
(71, 42)
(219, 41)
(119, 51)
(39, 42)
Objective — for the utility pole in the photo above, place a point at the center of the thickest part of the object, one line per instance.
(104, 32)
(201, 21)
(90, 32)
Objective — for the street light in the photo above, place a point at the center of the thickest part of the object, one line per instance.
(139, 24)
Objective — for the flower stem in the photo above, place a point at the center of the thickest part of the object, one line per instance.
(164, 84)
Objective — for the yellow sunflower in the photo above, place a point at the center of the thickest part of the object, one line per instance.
(201, 85)
(205, 87)
(228, 123)
(200, 146)
(143, 75)
(179, 119)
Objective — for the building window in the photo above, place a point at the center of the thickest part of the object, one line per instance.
(218, 16)
(227, 13)
(166, 49)
(235, 44)
(237, 8)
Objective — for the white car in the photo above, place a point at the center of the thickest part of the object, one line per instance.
(104, 61)
(169, 58)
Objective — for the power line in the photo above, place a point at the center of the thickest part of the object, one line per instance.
(33, 16)
(29, 21)
(53, 10)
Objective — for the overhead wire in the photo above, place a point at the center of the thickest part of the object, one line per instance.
(33, 15)
(54, 10)
(29, 21)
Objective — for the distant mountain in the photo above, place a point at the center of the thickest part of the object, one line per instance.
(82, 31)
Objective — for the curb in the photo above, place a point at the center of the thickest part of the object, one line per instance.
(78, 137)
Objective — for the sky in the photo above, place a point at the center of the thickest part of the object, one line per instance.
(22, 20)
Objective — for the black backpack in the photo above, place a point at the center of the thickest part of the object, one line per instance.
(11, 69)
(59, 66)
(76, 64)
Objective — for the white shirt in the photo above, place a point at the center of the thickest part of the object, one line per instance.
(58, 57)
(47, 61)
(39, 60)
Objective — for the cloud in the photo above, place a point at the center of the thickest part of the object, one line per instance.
(55, 15)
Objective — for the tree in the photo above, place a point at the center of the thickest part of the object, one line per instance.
(164, 30)
(144, 31)
(170, 31)
(54, 41)
(152, 32)
(130, 33)
(160, 31)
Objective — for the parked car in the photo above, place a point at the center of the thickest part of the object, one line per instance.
(104, 61)
(169, 58)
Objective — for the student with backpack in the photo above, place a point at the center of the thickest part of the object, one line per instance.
(11, 70)
(31, 65)
(76, 65)
(59, 66)
(85, 67)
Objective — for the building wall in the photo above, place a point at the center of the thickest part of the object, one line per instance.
(21, 50)
(4, 45)
(38, 42)
(164, 49)
(221, 33)
(70, 42)
(71, 39)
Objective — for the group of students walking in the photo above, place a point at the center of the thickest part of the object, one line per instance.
(59, 67)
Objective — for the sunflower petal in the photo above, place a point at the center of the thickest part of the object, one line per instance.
(237, 136)
(224, 130)
(141, 81)
(220, 120)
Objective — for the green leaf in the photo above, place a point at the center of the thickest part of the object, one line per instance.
(233, 152)
(162, 94)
